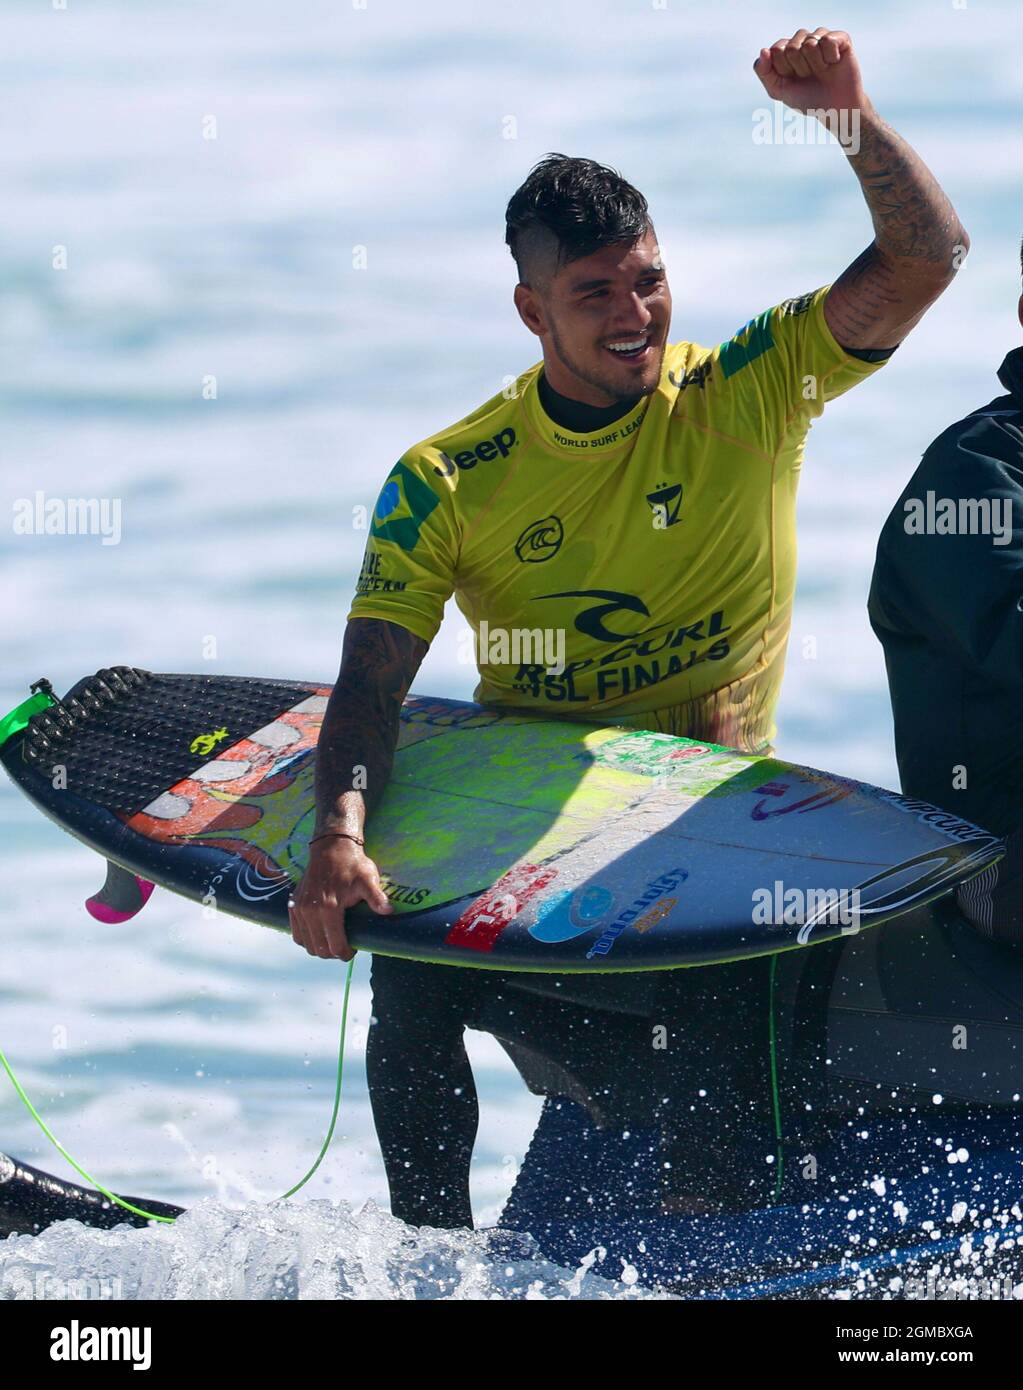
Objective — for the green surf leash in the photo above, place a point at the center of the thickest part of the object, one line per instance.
(775, 1098)
(169, 1220)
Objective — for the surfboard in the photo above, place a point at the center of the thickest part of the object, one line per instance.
(505, 840)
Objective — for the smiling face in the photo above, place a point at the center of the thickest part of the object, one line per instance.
(603, 321)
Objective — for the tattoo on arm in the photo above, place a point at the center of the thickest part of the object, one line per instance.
(913, 219)
(918, 245)
(360, 726)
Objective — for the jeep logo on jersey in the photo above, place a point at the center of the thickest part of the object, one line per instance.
(541, 540)
(696, 376)
(664, 503)
(591, 620)
(403, 505)
(501, 444)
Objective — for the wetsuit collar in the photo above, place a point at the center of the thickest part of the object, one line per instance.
(571, 427)
(1010, 374)
(577, 415)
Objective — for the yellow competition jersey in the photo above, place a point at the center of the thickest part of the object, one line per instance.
(662, 549)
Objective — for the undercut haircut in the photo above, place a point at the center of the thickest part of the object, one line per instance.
(567, 209)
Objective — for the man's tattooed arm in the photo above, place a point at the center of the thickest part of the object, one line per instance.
(355, 753)
(919, 243)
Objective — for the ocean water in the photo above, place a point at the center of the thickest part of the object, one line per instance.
(304, 203)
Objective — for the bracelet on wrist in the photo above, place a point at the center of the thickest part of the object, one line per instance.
(343, 834)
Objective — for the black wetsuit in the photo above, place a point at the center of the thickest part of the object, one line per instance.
(691, 1061)
(948, 609)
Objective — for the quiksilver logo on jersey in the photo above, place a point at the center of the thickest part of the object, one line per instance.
(404, 503)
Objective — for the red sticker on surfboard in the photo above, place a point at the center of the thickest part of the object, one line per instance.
(483, 922)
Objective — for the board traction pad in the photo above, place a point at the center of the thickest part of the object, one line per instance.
(127, 754)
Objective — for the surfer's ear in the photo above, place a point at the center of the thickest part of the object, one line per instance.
(530, 309)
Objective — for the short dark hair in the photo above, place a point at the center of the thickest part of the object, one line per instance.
(566, 209)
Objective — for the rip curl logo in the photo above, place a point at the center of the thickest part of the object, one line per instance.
(255, 886)
(591, 620)
(949, 824)
(205, 743)
(541, 540)
(663, 642)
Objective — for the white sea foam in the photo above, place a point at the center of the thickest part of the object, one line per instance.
(315, 1250)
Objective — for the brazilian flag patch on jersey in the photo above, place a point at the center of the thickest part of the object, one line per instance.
(404, 503)
(747, 345)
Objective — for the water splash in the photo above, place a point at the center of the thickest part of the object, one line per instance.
(313, 1250)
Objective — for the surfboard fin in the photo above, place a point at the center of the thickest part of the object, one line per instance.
(122, 895)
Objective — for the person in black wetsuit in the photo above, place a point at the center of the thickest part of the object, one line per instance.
(946, 602)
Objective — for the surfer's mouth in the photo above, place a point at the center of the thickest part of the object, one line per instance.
(639, 348)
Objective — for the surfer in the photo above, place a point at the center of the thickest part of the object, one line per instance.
(946, 603)
(633, 500)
